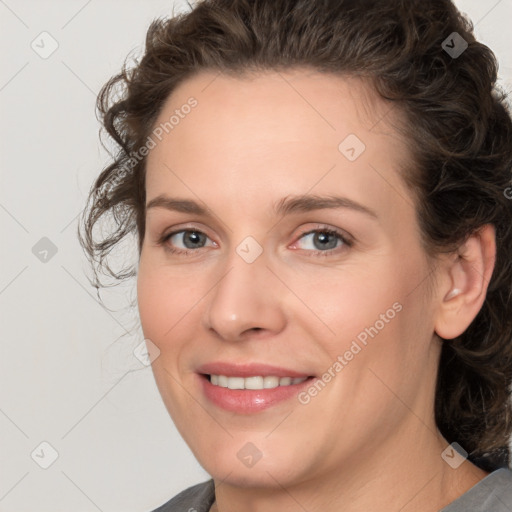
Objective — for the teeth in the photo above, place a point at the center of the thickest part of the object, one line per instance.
(254, 382)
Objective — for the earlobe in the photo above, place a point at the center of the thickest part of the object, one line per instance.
(468, 278)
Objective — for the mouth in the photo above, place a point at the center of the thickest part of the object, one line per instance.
(256, 382)
(246, 388)
(252, 394)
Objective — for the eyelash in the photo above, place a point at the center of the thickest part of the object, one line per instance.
(346, 242)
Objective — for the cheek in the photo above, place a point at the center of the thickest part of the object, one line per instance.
(157, 301)
(168, 304)
(358, 301)
(149, 295)
(161, 306)
(379, 305)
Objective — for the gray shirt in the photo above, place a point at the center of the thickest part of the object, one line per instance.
(491, 494)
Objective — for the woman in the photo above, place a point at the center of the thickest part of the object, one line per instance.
(320, 196)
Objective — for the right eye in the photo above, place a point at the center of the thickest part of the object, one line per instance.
(191, 238)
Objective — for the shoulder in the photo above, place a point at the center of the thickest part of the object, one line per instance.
(492, 494)
(198, 498)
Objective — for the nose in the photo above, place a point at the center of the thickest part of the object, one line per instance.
(246, 299)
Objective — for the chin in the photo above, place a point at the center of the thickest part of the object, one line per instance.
(251, 477)
(229, 468)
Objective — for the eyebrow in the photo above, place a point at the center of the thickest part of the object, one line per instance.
(287, 205)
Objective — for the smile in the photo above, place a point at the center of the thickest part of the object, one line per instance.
(256, 382)
(250, 395)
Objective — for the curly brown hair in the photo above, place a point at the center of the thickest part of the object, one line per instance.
(461, 146)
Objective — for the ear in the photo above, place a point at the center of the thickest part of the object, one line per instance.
(464, 285)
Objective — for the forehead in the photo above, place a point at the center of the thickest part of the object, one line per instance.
(284, 131)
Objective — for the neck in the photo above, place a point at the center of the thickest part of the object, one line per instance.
(407, 474)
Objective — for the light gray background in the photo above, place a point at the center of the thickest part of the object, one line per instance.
(68, 374)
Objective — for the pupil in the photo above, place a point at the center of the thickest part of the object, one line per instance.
(322, 237)
(192, 235)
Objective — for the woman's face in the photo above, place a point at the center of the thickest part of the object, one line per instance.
(254, 286)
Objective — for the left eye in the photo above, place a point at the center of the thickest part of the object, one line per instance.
(325, 238)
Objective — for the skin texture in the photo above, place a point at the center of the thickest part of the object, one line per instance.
(368, 440)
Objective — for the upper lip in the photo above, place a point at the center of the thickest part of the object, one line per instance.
(248, 370)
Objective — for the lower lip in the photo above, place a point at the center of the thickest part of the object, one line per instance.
(247, 401)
